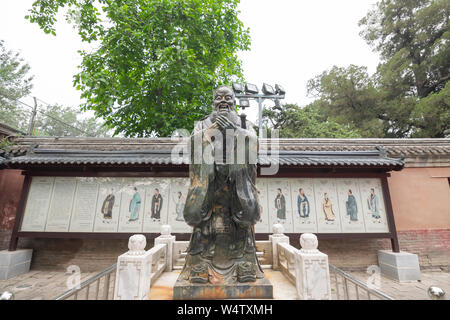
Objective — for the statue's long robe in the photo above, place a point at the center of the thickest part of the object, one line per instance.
(222, 205)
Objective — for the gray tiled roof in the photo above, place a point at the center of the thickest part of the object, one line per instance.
(374, 158)
(394, 147)
(141, 151)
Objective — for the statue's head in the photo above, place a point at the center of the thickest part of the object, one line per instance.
(224, 100)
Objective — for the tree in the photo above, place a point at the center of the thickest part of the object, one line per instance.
(157, 61)
(293, 121)
(413, 40)
(56, 120)
(15, 83)
(349, 97)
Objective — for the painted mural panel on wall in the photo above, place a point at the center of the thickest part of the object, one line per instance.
(373, 205)
(303, 205)
(156, 203)
(328, 220)
(262, 225)
(108, 205)
(350, 206)
(176, 200)
(280, 203)
(134, 205)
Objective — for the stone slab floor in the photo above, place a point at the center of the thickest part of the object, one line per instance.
(46, 285)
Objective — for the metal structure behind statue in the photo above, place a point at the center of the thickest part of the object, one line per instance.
(222, 202)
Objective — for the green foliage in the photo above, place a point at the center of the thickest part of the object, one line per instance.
(62, 121)
(15, 83)
(157, 61)
(296, 122)
(417, 32)
(413, 39)
(432, 114)
(348, 96)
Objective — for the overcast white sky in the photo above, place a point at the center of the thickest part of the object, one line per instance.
(292, 41)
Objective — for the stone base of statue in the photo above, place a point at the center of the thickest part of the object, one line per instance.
(185, 290)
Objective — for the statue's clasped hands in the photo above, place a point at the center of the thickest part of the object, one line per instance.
(222, 123)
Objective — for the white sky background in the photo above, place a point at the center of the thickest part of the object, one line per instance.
(292, 41)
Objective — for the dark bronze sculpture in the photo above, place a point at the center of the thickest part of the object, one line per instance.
(222, 202)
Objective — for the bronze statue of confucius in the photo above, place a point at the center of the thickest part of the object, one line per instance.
(222, 202)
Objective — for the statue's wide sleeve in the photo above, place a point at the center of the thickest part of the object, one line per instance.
(246, 205)
(197, 207)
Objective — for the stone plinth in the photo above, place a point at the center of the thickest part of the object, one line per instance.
(260, 289)
(14, 263)
(401, 266)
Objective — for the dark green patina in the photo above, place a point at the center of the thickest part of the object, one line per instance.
(222, 202)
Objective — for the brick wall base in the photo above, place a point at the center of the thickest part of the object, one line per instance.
(5, 236)
(432, 246)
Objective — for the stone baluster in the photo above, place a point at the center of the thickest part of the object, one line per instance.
(312, 271)
(167, 238)
(275, 238)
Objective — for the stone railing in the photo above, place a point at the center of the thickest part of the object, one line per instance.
(306, 268)
(138, 269)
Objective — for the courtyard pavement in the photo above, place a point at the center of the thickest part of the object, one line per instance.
(47, 285)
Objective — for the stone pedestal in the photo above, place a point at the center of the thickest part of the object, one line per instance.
(167, 238)
(133, 271)
(275, 238)
(312, 271)
(401, 266)
(14, 263)
(260, 289)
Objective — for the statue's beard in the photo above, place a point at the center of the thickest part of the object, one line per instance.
(230, 115)
(223, 112)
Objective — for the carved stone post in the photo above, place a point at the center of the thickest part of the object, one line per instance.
(168, 239)
(275, 238)
(312, 272)
(133, 271)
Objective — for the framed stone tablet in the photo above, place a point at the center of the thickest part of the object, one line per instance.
(38, 202)
(61, 204)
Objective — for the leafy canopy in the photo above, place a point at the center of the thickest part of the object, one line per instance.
(156, 62)
(293, 121)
